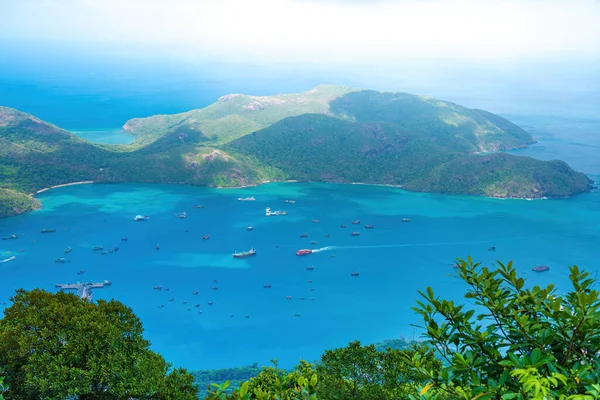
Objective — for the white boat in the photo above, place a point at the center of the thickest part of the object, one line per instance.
(246, 198)
(181, 215)
(268, 212)
(141, 218)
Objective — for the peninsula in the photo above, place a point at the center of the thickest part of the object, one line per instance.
(330, 133)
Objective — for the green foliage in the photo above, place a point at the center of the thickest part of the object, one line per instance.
(519, 343)
(13, 203)
(205, 378)
(272, 383)
(363, 372)
(59, 346)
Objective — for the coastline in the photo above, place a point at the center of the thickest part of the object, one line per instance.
(62, 185)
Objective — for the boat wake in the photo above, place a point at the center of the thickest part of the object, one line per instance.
(8, 259)
(324, 249)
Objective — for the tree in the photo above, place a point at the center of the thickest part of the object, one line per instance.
(518, 343)
(363, 372)
(59, 346)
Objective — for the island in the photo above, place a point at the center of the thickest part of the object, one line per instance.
(329, 134)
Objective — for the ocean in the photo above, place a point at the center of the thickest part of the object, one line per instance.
(248, 323)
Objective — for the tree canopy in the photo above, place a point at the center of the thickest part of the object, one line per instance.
(58, 346)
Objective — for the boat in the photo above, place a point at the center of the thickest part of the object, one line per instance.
(80, 272)
(304, 235)
(328, 235)
(104, 252)
(267, 286)
(314, 242)
(493, 248)
(290, 201)
(246, 198)
(369, 227)
(245, 254)
(48, 230)
(161, 306)
(195, 293)
(196, 305)
(124, 239)
(210, 303)
(68, 250)
(157, 246)
(540, 268)
(355, 234)
(8, 259)
(342, 226)
(315, 221)
(250, 228)
(116, 249)
(309, 281)
(288, 297)
(268, 212)
(157, 287)
(354, 274)
(107, 283)
(96, 248)
(356, 222)
(214, 288)
(60, 260)
(303, 252)
(405, 219)
(11, 237)
(181, 215)
(198, 206)
(298, 315)
(205, 237)
(310, 268)
(141, 218)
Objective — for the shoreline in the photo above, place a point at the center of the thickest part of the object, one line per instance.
(61, 185)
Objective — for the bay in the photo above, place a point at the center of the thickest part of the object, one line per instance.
(395, 259)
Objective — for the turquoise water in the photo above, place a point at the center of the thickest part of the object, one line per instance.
(394, 260)
(105, 136)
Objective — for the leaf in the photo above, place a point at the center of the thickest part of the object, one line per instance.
(426, 389)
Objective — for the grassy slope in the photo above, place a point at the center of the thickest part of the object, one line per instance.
(235, 115)
(13, 203)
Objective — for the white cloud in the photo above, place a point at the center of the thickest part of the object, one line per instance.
(321, 31)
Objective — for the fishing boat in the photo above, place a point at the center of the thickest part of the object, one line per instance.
(124, 239)
(369, 227)
(250, 228)
(315, 221)
(540, 268)
(96, 248)
(11, 237)
(288, 297)
(157, 246)
(310, 268)
(205, 237)
(267, 286)
(405, 219)
(68, 250)
(141, 218)
(355, 234)
(214, 288)
(245, 254)
(246, 198)
(298, 315)
(342, 226)
(181, 215)
(354, 274)
(210, 303)
(303, 252)
(314, 242)
(304, 235)
(106, 283)
(198, 206)
(60, 260)
(80, 272)
(290, 201)
(356, 222)
(493, 248)
(48, 230)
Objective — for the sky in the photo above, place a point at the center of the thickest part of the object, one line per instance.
(325, 31)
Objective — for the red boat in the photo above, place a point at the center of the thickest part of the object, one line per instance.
(541, 268)
(303, 252)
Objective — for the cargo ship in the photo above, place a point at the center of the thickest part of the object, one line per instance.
(303, 252)
(541, 268)
(245, 254)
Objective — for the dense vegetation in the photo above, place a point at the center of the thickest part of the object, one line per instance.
(330, 133)
(13, 203)
(518, 343)
(58, 346)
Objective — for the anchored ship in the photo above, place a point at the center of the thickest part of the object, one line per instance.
(245, 254)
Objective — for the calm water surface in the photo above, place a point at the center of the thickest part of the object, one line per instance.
(394, 260)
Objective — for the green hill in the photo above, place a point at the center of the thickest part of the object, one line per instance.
(330, 133)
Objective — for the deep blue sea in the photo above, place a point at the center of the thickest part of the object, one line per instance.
(394, 260)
